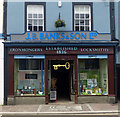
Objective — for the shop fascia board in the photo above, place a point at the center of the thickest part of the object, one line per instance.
(85, 43)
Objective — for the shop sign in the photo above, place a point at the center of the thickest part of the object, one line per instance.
(61, 50)
(67, 66)
(61, 36)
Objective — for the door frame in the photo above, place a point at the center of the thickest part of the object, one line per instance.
(61, 57)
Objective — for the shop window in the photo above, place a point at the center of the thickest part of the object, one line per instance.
(29, 77)
(35, 18)
(93, 77)
(82, 17)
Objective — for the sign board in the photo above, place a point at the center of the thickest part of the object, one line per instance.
(61, 36)
(60, 50)
(52, 95)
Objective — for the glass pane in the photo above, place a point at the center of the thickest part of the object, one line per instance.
(30, 22)
(86, 28)
(81, 8)
(81, 15)
(40, 22)
(34, 15)
(29, 64)
(92, 64)
(81, 28)
(87, 16)
(29, 15)
(86, 22)
(76, 28)
(81, 22)
(40, 28)
(76, 9)
(94, 77)
(40, 16)
(30, 28)
(35, 22)
(87, 8)
(22, 65)
(76, 15)
(76, 22)
(34, 28)
(27, 81)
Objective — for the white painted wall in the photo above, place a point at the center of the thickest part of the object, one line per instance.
(1, 56)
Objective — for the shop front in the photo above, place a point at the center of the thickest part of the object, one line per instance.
(43, 72)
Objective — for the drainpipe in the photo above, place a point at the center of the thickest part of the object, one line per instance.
(5, 52)
(5, 20)
(112, 29)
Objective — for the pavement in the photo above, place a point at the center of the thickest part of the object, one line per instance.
(61, 108)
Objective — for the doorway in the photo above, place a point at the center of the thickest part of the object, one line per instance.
(61, 75)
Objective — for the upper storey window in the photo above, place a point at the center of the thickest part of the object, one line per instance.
(35, 18)
(82, 17)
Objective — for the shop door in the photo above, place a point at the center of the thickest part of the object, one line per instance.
(61, 78)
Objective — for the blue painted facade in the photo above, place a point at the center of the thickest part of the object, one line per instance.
(16, 21)
(119, 19)
(15, 17)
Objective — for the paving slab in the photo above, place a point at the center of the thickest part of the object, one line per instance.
(20, 108)
(104, 107)
(61, 107)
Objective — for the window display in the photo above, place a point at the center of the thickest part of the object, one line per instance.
(93, 77)
(29, 77)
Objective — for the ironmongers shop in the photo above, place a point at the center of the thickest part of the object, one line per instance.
(44, 67)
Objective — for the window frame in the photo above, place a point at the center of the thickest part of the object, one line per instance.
(83, 3)
(35, 3)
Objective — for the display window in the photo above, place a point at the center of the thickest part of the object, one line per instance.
(29, 77)
(93, 77)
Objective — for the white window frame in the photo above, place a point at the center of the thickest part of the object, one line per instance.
(35, 10)
(82, 9)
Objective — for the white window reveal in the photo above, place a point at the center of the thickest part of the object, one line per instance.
(82, 18)
(35, 18)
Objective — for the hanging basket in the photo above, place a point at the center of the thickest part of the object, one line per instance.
(60, 23)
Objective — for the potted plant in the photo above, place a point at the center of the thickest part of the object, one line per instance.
(60, 23)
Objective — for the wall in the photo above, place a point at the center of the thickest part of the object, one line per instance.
(101, 17)
(16, 16)
(117, 29)
(119, 20)
(1, 55)
(116, 19)
(52, 14)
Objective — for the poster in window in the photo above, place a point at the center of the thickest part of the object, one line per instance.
(91, 83)
(83, 76)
